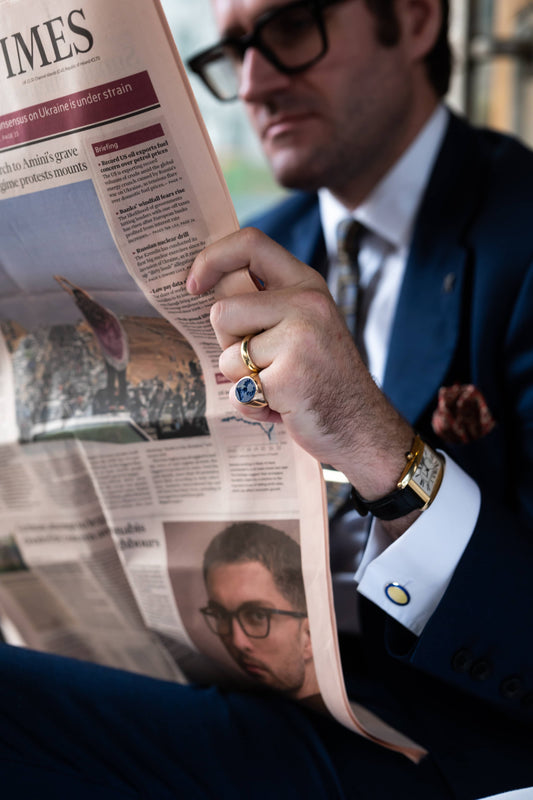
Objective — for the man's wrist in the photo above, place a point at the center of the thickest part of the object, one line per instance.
(415, 489)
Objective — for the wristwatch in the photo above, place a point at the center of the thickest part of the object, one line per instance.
(416, 488)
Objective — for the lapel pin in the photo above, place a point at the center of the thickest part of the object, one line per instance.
(448, 283)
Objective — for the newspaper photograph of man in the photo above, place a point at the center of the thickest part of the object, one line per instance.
(256, 606)
(239, 594)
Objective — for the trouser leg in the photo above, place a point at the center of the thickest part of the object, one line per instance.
(72, 729)
(142, 737)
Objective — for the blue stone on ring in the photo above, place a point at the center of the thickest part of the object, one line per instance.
(248, 392)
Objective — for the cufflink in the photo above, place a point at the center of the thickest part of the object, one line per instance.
(397, 594)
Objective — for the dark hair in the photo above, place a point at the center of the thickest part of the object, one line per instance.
(438, 60)
(277, 552)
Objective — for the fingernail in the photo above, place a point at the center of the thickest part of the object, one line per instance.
(192, 286)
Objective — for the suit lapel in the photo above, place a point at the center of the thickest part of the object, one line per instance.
(427, 323)
(426, 329)
(307, 239)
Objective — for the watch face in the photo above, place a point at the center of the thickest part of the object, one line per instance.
(427, 472)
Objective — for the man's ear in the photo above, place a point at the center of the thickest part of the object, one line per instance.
(420, 22)
(306, 636)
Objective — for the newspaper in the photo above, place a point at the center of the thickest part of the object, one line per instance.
(121, 458)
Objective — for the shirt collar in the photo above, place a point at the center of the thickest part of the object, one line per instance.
(390, 209)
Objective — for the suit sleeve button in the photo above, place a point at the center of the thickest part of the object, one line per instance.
(462, 660)
(481, 670)
(511, 687)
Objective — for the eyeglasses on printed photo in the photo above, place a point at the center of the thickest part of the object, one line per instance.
(254, 620)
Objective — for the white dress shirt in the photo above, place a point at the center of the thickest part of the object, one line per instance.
(423, 559)
(517, 794)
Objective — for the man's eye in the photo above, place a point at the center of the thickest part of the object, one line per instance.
(287, 28)
(255, 616)
(231, 54)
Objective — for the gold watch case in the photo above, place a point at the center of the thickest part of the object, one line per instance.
(423, 471)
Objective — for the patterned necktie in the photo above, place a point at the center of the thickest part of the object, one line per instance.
(349, 294)
(348, 297)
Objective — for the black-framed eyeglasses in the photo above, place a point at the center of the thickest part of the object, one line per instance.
(292, 37)
(254, 620)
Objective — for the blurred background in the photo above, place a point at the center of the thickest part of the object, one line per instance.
(492, 85)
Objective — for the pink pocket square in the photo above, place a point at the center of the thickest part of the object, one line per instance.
(462, 414)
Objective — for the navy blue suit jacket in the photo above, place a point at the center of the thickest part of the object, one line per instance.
(465, 314)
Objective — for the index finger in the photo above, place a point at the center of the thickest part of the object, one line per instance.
(249, 249)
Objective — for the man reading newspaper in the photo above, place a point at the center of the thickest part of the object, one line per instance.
(346, 98)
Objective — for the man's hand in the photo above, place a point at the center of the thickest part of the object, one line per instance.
(311, 372)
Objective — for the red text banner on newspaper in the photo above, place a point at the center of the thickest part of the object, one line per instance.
(95, 106)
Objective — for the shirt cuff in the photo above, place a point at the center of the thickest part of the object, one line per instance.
(407, 578)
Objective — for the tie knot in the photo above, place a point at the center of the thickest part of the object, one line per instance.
(349, 233)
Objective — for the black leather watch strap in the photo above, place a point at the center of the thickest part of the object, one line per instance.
(394, 505)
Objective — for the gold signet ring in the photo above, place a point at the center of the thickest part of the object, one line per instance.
(245, 355)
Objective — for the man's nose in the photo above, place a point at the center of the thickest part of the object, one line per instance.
(238, 636)
(259, 78)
